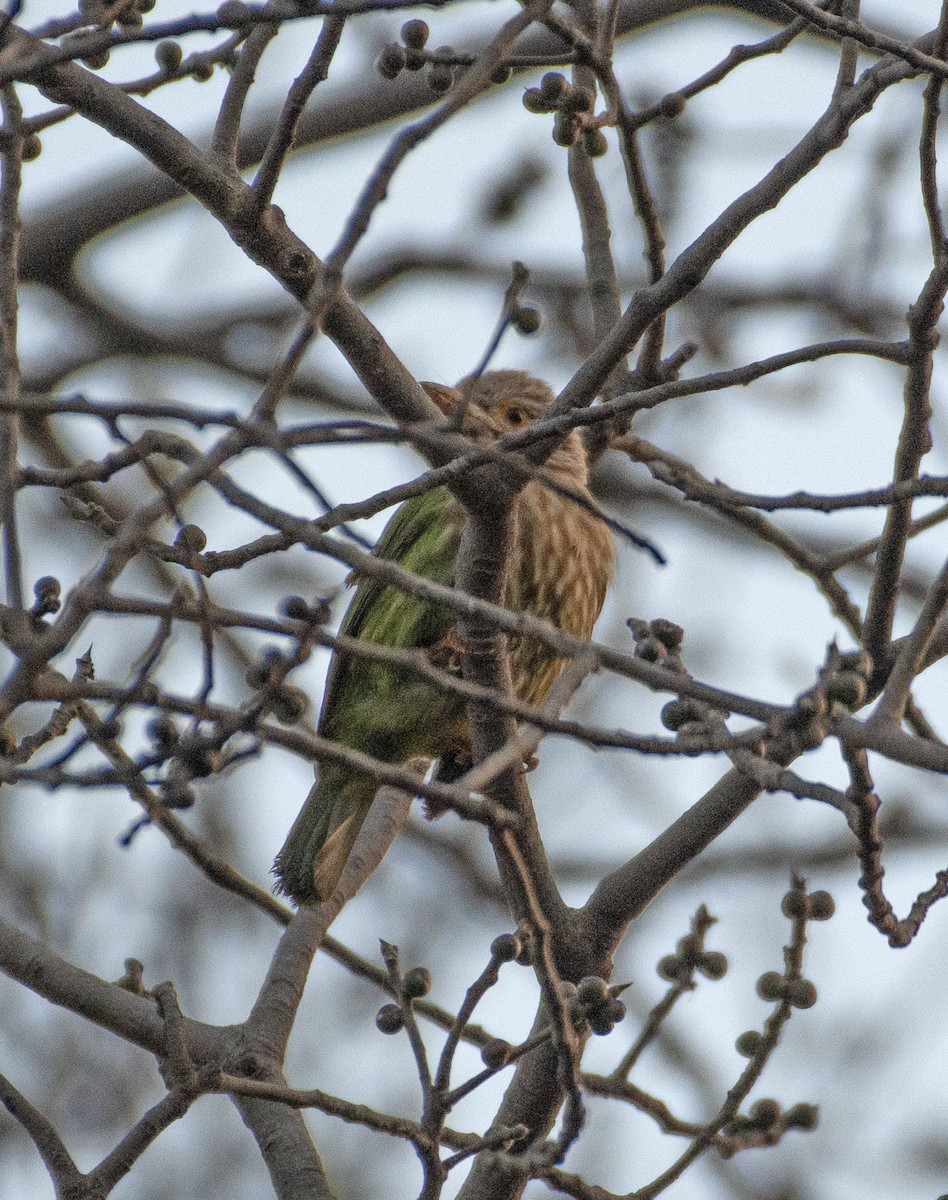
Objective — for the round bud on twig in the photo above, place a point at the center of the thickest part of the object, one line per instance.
(820, 906)
(771, 986)
(801, 993)
(46, 592)
(294, 607)
(810, 734)
(765, 1113)
(794, 905)
(579, 100)
(593, 990)
(233, 14)
(526, 319)
(191, 537)
(712, 964)
(505, 947)
(650, 649)
(162, 730)
(417, 983)
(289, 704)
(415, 34)
(131, 18)
(391, 61)
(748, 1043)
(168, 56)
(672, 105)
(849, 688)
(801, 1116)
(440, 77)
(675, 714)
(534, 101)
(496, 1053)
(565, 129)
(594, 143)
(600, 1021)
(553, 87)
(389, 1019)
(671, 636)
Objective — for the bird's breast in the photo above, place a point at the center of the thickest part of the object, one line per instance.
(561, 562)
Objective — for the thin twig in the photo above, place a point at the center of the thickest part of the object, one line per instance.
(911, 657)
(11, 165)
(227, 128)
(47, 1141)
(281, 139)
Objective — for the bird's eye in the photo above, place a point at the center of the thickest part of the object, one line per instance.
(515, 416)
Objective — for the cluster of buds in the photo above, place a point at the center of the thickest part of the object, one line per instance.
(691, 956)
(797, 905)
(790, 988)
(128, 16)
(849, 684)
(574, 108)
(190, 755)
(595, 1005)
(412, 54)
(391, 1017)
(164, 734)
(842, 688)
(298, 609)
(767, 1118)
(776, 988)
(232, 14)
(658, 641)
(287, 703)
(169, 56)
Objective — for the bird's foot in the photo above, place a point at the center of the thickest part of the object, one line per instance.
(447, 654)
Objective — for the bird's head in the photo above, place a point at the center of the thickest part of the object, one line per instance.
(500, 402)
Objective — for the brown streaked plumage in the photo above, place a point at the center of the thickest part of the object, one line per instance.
(560, 564)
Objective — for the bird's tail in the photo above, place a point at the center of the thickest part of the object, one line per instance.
(318, 846)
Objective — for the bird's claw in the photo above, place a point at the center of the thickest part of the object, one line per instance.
(447, 654)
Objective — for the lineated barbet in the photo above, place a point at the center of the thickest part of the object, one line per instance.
(559, 566)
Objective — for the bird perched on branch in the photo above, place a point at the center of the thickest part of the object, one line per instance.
(559, 566)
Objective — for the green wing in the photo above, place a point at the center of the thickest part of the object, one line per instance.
(423, 537)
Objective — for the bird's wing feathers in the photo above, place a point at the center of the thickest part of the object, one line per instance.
(423, 537)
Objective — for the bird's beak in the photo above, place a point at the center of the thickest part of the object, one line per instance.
(446, 398)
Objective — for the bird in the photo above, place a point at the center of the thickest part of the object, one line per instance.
(559, 567)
